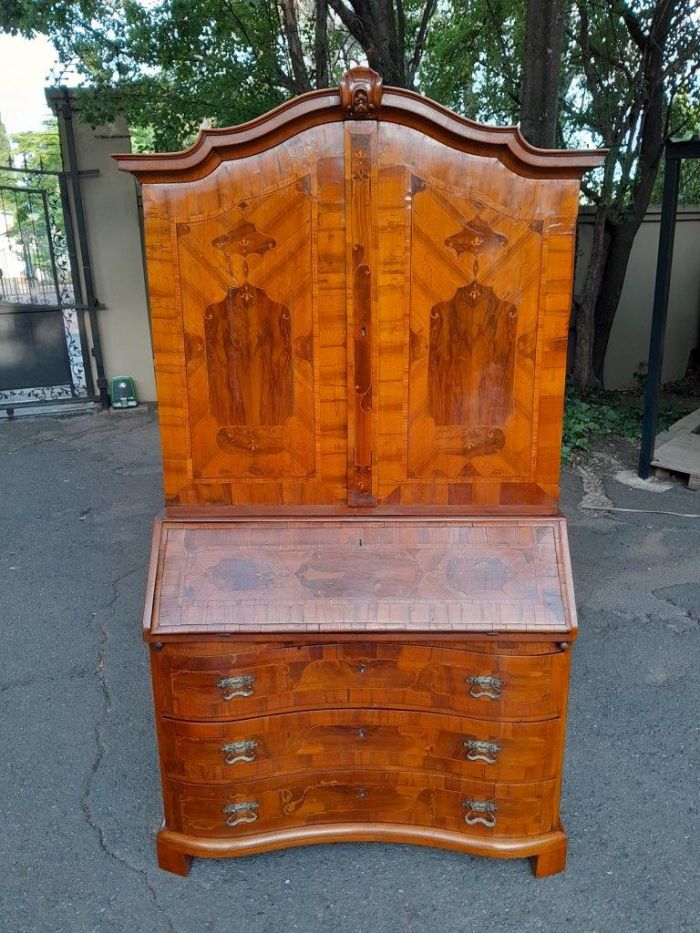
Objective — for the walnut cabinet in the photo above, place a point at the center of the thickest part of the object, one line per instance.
(360, 604)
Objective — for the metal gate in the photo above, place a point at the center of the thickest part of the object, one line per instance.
(48, 322)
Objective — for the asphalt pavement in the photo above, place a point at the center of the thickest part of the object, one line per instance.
(79, 791)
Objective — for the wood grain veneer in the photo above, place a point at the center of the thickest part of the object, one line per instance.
(348, 738)
(362, 314)
(423, 799)
(359, 602)
(362, 576)
(362, 674)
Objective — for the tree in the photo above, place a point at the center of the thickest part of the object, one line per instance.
(21, 204)
(5, 155)
(539, 98)
(629, 82)
(637, 68)
(176, 63)
(628, 79)
(472, 62)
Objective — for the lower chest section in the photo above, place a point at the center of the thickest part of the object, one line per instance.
(459, 736)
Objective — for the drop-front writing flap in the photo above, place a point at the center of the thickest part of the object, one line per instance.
(340, 576)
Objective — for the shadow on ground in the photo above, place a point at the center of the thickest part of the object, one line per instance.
(80, 799)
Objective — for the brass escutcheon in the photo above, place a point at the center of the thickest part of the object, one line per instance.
(480, 811)
(481, 750)
(243, 750)
(485, 685)
(240, 686)
(248, 810)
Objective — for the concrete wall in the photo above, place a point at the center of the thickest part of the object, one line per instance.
(112, 222)
(628, 349)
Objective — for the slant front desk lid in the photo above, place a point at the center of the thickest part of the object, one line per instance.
(329, 575)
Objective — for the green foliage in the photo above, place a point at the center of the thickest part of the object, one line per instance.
(168, 65)
(473, 65)
(472, 62)
(4, 145)
(24, 222)
(171, 64)
(689, 188)
(593, 414)
(610, 58)
(38, 149)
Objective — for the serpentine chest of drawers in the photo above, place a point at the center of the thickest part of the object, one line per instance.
(360, 606)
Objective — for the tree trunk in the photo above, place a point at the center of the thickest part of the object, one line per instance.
(539, 103)
(321, 44)
(376, 28)
(620, 241)
(296, 51)
(586, 304)
(385, 34)
(606, 275)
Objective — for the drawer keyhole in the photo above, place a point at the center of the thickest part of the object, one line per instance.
(361, 668)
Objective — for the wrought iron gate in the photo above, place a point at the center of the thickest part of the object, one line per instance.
(46, 288)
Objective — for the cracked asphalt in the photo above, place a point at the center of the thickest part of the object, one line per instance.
(79, 794)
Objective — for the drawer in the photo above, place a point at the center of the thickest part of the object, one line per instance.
(473, 807)
(196, 685)
(327, 740)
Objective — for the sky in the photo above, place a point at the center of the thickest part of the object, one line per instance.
(25, 65)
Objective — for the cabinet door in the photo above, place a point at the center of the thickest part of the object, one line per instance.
(362, 316)
(247, 269)
(473, 265)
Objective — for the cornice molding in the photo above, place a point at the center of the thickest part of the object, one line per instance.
(361, 96)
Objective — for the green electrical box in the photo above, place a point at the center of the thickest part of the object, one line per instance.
(124, 392)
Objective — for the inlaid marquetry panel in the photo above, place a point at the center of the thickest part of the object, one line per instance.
(466, 321)
(364, 576)
(250, 354)
(363, 314)
(249, 324)
(360, 796)
(360, 189)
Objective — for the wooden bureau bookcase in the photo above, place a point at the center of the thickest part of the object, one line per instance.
(359, 602)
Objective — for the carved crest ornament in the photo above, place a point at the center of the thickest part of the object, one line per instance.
(361, 93)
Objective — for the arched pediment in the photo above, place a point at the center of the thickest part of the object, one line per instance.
(361, 96)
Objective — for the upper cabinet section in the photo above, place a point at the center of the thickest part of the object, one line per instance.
(361, 301)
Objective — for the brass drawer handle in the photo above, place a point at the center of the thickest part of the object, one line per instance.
(480, 811)
(241, 686)
(481, 685)
(482, 750)
(248, 810)
(239, 751)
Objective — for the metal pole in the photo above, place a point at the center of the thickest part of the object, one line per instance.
(90, 299)
(658, 322)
